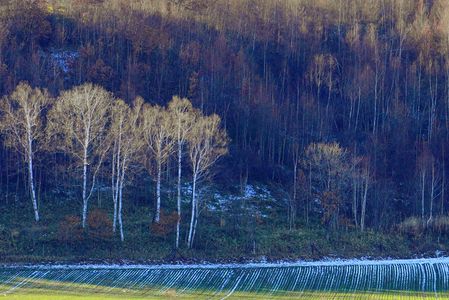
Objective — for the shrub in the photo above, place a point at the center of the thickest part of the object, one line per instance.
(166, 225)
(412, 226)
(440, 225)
(99, 224)
(70, 229)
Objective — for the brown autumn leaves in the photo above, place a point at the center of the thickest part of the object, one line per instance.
(97, 131)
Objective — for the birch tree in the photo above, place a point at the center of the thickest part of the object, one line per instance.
(157, 134)
(207, 143)
(21, 122)
(125, 145)
(184, 118)
(78, 125)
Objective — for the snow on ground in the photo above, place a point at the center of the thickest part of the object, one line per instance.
(62, 59)
(255, 198)
(250, 192)
(281, 264)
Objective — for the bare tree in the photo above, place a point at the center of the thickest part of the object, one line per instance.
(293, 200)
(126, 143)
(366, 177)
(329, 171)
(423, 164)
(207, 143)
(21, 122)
(78, 124)
(184, 119)
(157, 133)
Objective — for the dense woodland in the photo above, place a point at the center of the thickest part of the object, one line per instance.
(342, 105)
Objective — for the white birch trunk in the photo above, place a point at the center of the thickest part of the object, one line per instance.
(178, 202)
(358, 110)
(114, 190)
(432, 195)
(293, 204)
(196, 222)
(117, 180)
(85, 164)
(113, 186)
(30, 171)
(193, 215)
(158, 191)
(375, 99)
(363, 212)
(354, 201)
(423, 181)
(120, 221)
(120, 201)
(443, 185)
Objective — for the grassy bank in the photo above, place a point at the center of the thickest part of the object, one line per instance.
(234, 235)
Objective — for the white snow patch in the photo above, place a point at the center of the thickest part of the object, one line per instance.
(223, 200)
(219, 200)
(250, 191)
(63, 58)
(326, 262)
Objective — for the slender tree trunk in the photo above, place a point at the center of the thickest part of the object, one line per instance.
(120, 201)
(351, 108)
(423, 181)
(114, 191)
(363, 212)
(120, 221)
(193, 215)
(358, 111)
(309, 196)
(354, 201)
(196, 222)
(293, 204)
(116, 184)
(432, 195)
(178, 202)
(447, 101)
(114, 223)
(443, 185)
(118, 179)
(329, 96)
(158, 191)
(375, 99)
(31, 178)
(85, 164)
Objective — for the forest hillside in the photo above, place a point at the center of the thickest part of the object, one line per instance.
(223, 128)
